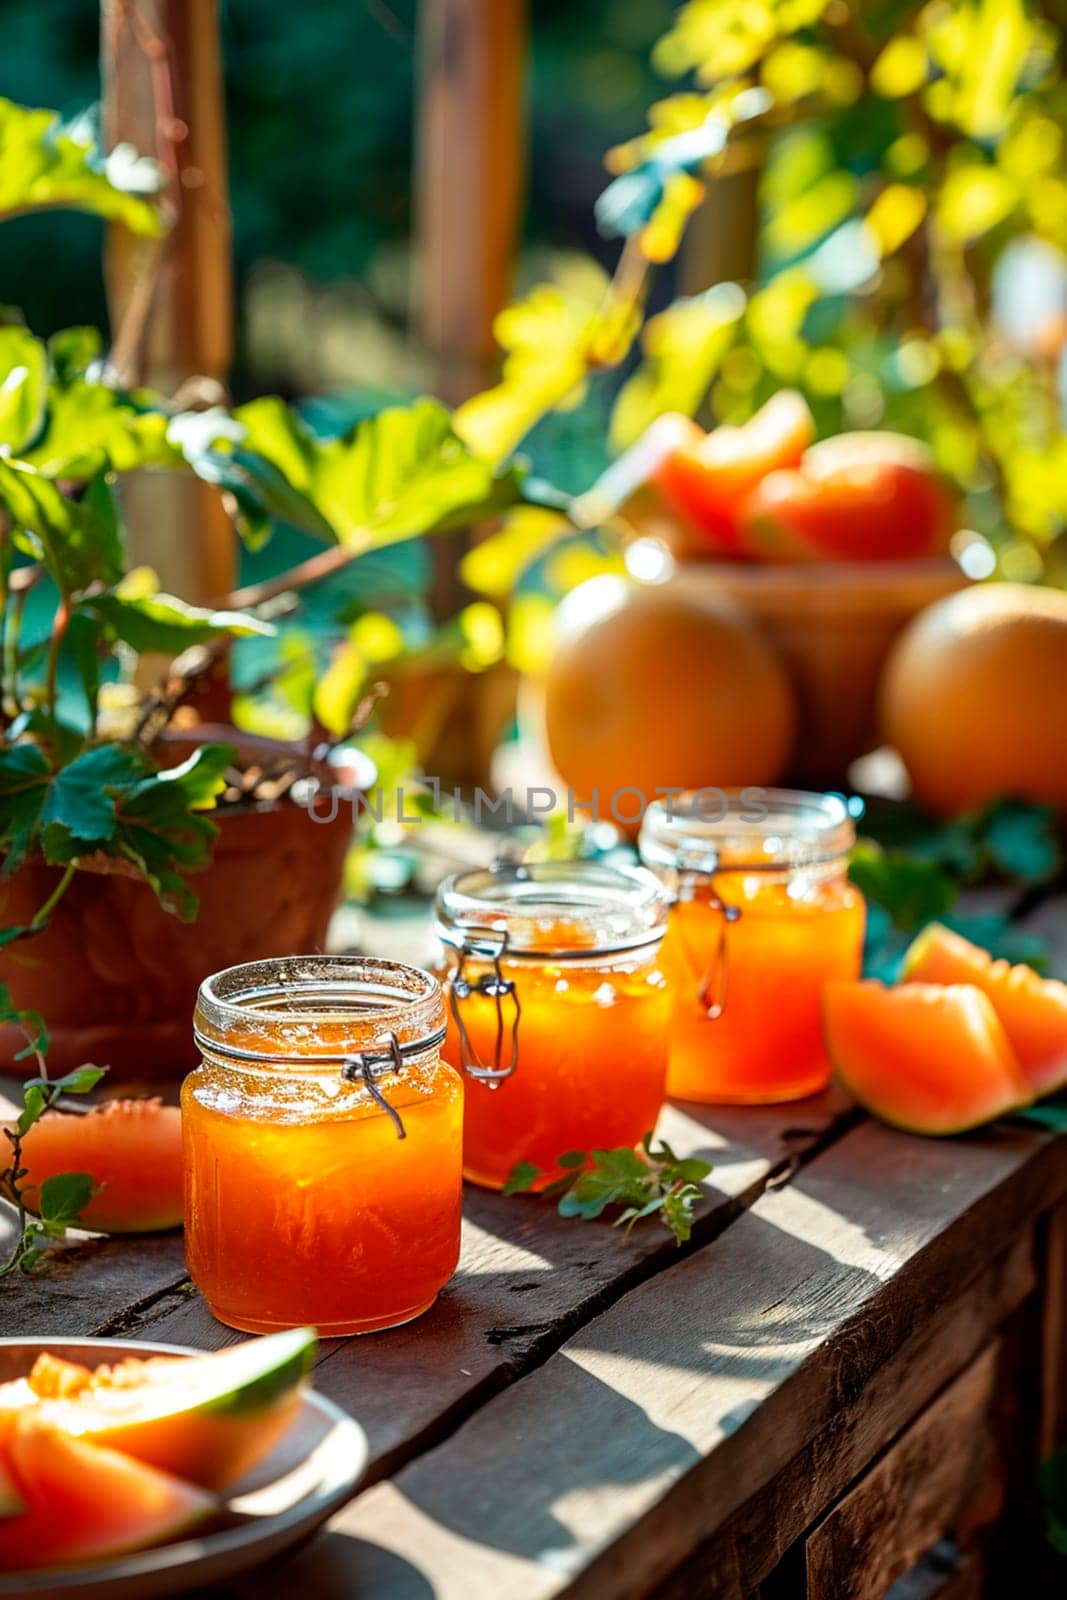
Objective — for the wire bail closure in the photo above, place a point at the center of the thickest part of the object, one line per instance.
(712, 986)
(366, 1066)
(485, 944)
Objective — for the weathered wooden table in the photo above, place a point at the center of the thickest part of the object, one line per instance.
(840, 1389)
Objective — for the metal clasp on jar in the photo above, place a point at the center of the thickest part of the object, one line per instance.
(367, 1066)
(481, 945)
(712, 985)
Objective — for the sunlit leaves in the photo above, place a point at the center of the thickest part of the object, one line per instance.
(896, 213)
(494, 566)
(165, 624)
(79, 541)
(404, 471)
(552, 339)
(724, 38)
(23, 386)
(974, 198)
(48, 163)
(902, 67)
(683, 348)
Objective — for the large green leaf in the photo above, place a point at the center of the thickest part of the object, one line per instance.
(400, 473)
(162, 623)
(23, 387)
(79, 541)
(23, 785)
(48, 163)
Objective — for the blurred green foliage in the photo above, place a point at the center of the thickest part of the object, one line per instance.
(909, 268)
(321, 111)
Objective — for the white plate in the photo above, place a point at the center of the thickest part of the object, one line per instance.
(311, 1472)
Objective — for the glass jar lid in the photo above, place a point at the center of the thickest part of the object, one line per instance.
(318, 1010)
(552, 910)
(749, 830)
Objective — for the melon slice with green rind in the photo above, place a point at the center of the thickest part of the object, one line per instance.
(1033, 1009)
(922, 1057)
(208, 1418)
(83, 1503)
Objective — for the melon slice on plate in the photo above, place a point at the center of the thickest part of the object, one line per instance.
(81, 1503)
(1033, 1009)
(923, 1057)
(209, 1418)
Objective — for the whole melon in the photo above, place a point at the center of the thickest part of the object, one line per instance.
(974, 697)
(653, 686)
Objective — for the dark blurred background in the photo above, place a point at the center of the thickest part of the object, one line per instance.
(320, 101)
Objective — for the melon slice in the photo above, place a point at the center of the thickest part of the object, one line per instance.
(1033, 1009)
(923, 1057)
(207, 1418)
(82, 1503)
(132, 1150)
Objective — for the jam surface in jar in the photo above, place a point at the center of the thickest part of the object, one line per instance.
(303, 1203)
(586, 1044)
(764, 916)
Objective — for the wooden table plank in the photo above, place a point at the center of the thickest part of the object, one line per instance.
(647, 1430)
(527, 1280)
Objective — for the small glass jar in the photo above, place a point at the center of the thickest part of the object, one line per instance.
(558, 1011)
(763, 917)
(323, 1145)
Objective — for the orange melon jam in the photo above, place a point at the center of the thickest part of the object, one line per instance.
(303, 1202)
(558, 1011)
(764, 916)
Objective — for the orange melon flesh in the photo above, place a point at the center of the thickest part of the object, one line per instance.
(132, 1149)
(922, 1057)
(1032, 1009)
(83, 1503)
(208, 1419)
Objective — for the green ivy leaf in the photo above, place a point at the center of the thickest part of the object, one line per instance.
(79, 811)
(63, 1198)
(521, 1178)
(912, 892)
(161, 827)
(24, 773)
(1022, 840)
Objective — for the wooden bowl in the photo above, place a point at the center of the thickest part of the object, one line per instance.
(833, 626)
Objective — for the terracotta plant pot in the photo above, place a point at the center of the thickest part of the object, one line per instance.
(832, 626)
(115, 976)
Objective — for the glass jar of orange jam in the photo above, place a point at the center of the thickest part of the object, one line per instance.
(763, 917)
(558, 1010)
(323, 1145)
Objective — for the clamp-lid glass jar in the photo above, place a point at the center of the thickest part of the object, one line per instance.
(558, 1010)
(763, 917)
(323, 1142)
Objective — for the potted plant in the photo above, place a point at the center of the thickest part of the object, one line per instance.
(145, 840)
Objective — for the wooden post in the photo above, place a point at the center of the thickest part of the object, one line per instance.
(469, 185)
(172, 305)
(470, 158)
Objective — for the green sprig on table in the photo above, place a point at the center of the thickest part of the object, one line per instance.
(61, 1199)
(652, 1182)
